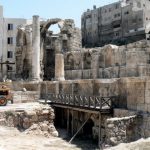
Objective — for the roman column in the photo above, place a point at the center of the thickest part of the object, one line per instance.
(36, 48)
(59, 61)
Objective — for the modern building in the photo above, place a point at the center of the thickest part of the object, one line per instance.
(8, 32)
(121, 22)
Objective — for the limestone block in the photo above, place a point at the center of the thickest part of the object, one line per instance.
(52, 87)
(142, 70)
(123, 113)
(76, 74)
(77, 60)
(105, 87)
(142, 107)
(131, 45)
(147, 85)
(87, 60)
(141, 44)
(109, 55)
(83, 87)
(68, 74)
(44, 127)
(115, 72)
(65, 87)
(131, 71)
(148, 108)
(107, 73)
(87, 74)
(131, 58)
(55, 134)
(147, 100)
(122, 71)
(101, 60)
(131, 106)
(95, 65)
(59, 67)
(100, 74)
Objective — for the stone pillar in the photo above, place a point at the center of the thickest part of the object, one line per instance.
(59, 62)
(36, 49)
(28, 31)
(95, 65)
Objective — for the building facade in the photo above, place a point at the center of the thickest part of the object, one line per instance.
(121, 22)
(8, 32)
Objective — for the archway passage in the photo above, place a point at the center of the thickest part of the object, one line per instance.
(88, 129)
(49, 33)
(49, 66)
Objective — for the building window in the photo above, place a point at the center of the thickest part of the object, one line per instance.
(10, 40)
(116, 26)
(117, 15)
(134, 21)
(140, 19)
(10, 26)
(9, 68)
(126, 13)
(138, 4)
(116, 6)
(117, 34)
(9, 54)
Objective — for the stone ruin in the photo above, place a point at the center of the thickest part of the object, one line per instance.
(31, 118)
(121, 71)
(69, 39)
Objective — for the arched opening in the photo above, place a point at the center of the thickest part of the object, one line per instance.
(52, 30)
(88, 129)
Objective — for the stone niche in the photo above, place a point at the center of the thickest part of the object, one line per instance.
(83, 87)
(65, 87)
(106, 87)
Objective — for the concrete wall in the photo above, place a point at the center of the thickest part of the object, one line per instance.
(5, 47)
(117, 23)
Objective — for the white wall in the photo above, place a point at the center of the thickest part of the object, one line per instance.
(4, 46)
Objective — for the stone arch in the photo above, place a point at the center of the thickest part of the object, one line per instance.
(88, 129)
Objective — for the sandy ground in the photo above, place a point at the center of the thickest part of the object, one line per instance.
(142, 144)
(12, 139)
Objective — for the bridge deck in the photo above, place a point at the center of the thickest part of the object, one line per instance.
(80, 102)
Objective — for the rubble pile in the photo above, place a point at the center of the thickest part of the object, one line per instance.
(43, 128)
(32, 118)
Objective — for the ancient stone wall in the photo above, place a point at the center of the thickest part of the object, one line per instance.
(110, 61)
(33, 118)
(120, 130)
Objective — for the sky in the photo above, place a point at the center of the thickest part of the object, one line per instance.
(46, 9)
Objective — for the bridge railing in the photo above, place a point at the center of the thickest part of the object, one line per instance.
(93, 102)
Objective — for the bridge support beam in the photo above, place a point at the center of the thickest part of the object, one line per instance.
(80, 128)
(68, 120)
(72, 125)
(100, 132)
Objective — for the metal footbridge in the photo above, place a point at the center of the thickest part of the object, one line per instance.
(85, 103)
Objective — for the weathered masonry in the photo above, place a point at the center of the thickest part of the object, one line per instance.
(118, 23)
(87, 86)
